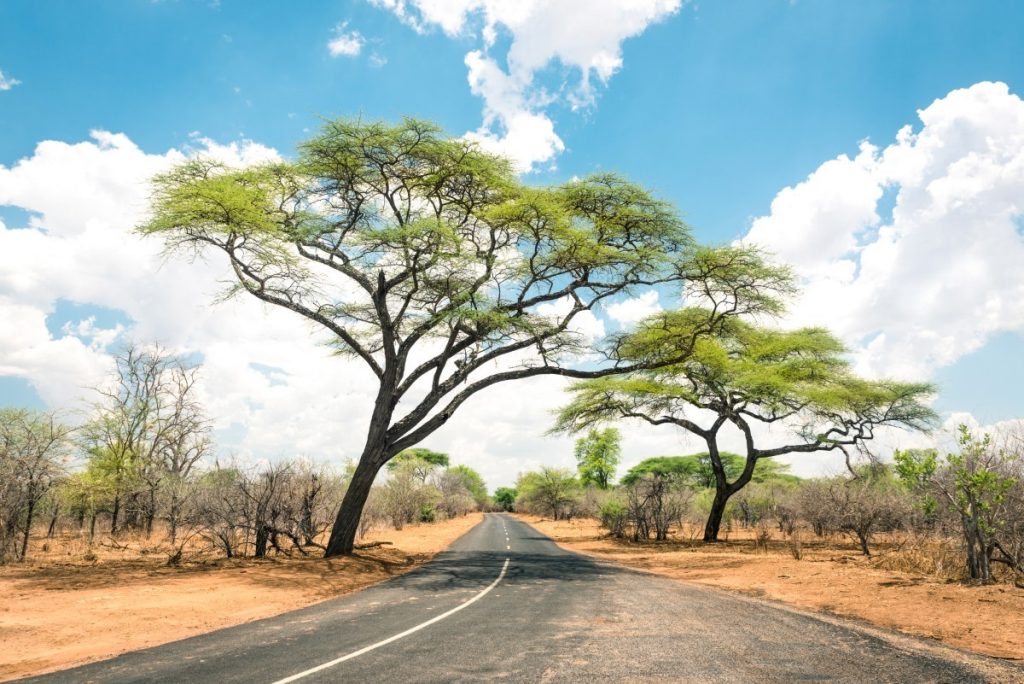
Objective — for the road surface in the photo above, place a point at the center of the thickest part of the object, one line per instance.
(504, 602)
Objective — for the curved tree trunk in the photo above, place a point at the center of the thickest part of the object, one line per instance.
(346, 525)
(714, 523)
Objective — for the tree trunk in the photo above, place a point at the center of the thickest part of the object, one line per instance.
(346, 525)
(53, 523)
(715, 517)
(262, 536)
(863, 539)
(28, 528)
(113, 515)
(306, 525)
(150, 512)
(172, 518)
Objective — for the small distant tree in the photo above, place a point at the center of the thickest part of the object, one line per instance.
(505, 497)
(404, 497)
(553, 491)
(420, 462)
(473, 482)
(454, 497)
(34, 447)
(697, 470)
(746, 375)
(597, 457)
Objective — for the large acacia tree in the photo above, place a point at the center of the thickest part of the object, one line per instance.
(750, 377)
(428, 260)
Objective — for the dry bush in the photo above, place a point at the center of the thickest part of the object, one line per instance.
(925, 554)
(763, 538)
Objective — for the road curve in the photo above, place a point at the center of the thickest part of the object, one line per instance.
(504, 602)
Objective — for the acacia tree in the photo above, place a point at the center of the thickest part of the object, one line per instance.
(749, 376)
(597, 456)
(425, 258)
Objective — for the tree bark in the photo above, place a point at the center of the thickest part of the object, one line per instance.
(262, 537)
(715, 517)
(862, 537)
(28, 528)
(150, 512)
(346, 525)
(53, 523)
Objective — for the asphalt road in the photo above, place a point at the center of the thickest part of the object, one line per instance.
(504, 602)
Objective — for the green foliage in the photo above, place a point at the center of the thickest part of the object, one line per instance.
(682, 468)
(34, 447)
(915, 469)
(614, 516)
(505, 497)
(552, 491)
(473, 483)
(979, 488)
(404, 198)
(597, 456)
(696, 470)
(801, 373)
(975, 483)
(434, 458)
(419, 461)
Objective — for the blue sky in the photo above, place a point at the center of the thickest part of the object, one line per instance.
(718, 106)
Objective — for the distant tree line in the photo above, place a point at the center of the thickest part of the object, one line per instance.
(971, 500)
(143, 463)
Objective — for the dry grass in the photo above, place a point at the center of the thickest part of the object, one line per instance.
(889, 590)
(59, 609)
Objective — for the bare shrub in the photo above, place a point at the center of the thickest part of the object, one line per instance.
(655, 503)
(33, 449)
(865, 506)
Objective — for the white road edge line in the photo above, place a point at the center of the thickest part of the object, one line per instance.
(401, 635)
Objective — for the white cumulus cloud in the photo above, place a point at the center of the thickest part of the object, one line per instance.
(584, 37)
(635, 309)
(918, 289)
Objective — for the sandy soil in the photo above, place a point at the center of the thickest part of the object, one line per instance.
(830, 577)
(56, 615)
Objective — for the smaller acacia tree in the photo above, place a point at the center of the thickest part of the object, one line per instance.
(745, 375)
(420, 461)
(597, 456)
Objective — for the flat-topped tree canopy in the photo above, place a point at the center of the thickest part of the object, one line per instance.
(395, 238)
(748, 375)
